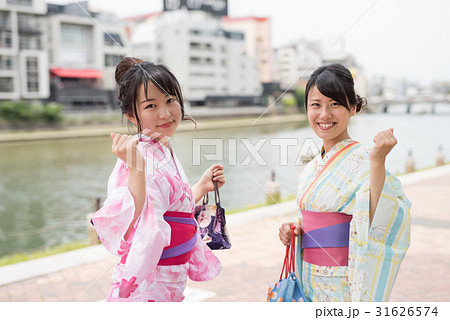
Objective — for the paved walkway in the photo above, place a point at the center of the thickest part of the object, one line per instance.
(255, 258)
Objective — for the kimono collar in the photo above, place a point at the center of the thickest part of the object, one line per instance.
(168, 152)
(338, 146)
(156, 144)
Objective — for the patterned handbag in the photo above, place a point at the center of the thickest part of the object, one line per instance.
(287, 289)
(212, 224)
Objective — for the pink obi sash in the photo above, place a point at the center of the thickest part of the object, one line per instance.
(183, 236)
(325, 238)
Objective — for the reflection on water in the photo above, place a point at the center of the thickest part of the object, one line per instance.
(48, 187)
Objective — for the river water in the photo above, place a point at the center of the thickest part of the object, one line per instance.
(48, 187)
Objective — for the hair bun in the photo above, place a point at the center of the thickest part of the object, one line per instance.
(126, 64)
(361, 105)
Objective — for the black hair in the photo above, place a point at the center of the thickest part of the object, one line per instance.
(336, 82)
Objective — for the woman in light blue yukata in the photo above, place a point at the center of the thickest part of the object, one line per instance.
(354, 221)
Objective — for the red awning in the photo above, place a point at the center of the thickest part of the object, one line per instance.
(76, 73)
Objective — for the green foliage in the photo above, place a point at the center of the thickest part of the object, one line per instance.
(288, 101)
(22, 111)
(299, 94)
(51, 112)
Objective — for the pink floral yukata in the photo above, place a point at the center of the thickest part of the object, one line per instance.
(137, 276)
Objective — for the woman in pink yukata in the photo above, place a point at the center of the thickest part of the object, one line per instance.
(147, 218)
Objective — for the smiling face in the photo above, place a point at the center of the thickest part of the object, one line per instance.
(328, 118)
(157, 111)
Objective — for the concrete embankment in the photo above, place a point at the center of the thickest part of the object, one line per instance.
(102, 131)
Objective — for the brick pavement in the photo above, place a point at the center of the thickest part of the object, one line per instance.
(255, 260)
(423, 274)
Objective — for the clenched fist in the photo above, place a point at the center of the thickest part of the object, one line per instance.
(384, 142)
(125, 148)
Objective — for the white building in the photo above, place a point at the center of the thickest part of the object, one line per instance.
(207, 60)
(80, 39)
(23, 55)
(258, 42)
(84, 49)
(296, 61)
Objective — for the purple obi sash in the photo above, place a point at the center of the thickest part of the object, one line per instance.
(325, 238)
(183, 236)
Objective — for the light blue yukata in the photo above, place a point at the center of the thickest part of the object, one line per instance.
(339, 182)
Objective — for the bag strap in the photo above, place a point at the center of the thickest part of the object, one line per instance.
(289, 257)
(205, 199)
(216, 193)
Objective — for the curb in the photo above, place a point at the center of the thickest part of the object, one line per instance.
(51, 264)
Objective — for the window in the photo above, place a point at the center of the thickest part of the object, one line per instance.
(5, 20)
(5, 39)
(112, 39)
(112, 60)
(195, 45)
(6, 85)
(27, 22)
(6, 63)
(202, 74)
(73, 34)
(29, 42)
(195, 60)
(21, 2)
(32, 74)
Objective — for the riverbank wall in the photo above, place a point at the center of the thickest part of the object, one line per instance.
(105, 130)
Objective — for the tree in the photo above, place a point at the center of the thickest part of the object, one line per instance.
(299, 94)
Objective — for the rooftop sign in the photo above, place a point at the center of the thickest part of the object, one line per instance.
(215, 7)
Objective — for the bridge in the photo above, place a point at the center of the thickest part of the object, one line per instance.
(409, 101)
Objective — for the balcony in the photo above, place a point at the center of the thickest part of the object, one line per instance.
(29, 29)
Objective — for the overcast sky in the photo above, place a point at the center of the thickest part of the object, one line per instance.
(396, 38)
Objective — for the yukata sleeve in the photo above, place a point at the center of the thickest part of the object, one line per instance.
(377, 249)
(203, 264)
(142, 250)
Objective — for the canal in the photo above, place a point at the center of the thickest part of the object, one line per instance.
(48, 187)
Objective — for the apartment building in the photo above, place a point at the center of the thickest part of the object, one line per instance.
(84, 48)
(23, 54)
(211, 63)
(296, 61)
(258, 42)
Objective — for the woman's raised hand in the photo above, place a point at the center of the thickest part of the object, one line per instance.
(213, 173)
(285, 232)
(125, 148)
(384, 142)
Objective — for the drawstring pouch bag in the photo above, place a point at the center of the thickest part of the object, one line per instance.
(212, 224)
(287, 289)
